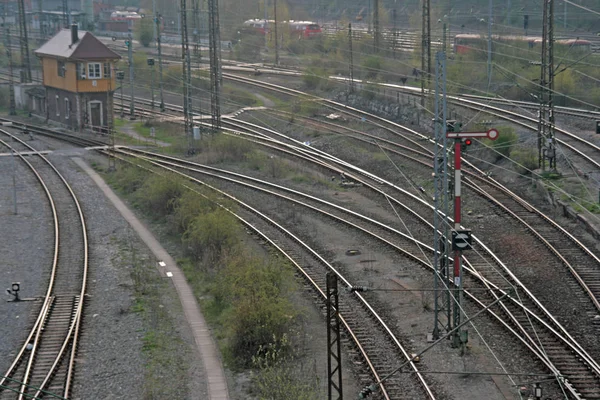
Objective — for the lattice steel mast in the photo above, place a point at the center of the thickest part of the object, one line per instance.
(215, 63)
(442, 309)
(546, 142)
(186, 78)
(24, 44)
(425, 49)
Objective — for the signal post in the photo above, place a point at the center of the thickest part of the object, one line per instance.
(461, 239)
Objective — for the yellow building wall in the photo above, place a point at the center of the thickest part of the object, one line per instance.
(70, 82)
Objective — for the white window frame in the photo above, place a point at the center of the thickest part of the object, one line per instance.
(57, 98)
(106, 67)
(94, 71)
(67, 108)
(61, 68)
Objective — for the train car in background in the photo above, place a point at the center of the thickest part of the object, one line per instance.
(124, 16)
(298, 29)
(303, 29)
(466, 43)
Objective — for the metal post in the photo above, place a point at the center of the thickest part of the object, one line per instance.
(489, 55)
(215, 63)
(440, 237)
(152, 84)
(376, 31)
(425, 50)
(185, 72)
(444, 48)
(131, 75)
(565, 16)
(14, 179)
(160, 68)
(155, 30)
(457, 253)
(351, 66)
(275, 31)
(11, 86)
(334, 351)
(395, 33)
(266, 2)
(24, 43)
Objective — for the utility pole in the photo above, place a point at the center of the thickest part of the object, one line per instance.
(129, 43)
(110, 119)
(376, 30)
(196, 27)
(351, 58)
(24, 43)
(186, 78)
(334, 340)
(489, 55)
(276, 38)
(395, 33)
(11, 86)
(66, 13)
(441, 295)
(425, 50)
(565, 15)
(155, 25)
(508, 14)
(546, 140)
(160, 65)
(150, 62)
(266, 4)
(215, 63)
(120, 78)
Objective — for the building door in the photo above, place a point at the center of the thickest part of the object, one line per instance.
(95, 114)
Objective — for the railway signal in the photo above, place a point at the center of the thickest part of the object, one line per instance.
(461, 239)
(14, 290)
(598, 127)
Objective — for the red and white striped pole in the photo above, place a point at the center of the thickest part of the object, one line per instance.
(457, 253)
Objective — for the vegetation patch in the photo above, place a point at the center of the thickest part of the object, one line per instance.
(244, 292)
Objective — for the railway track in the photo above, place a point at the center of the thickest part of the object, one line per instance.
(544, 327)
(45, 364)
(378, 347)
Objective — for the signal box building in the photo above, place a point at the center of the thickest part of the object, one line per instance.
(78, 78)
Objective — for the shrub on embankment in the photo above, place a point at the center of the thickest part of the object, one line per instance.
(244, 292)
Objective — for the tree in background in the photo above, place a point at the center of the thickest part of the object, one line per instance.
(144, 31)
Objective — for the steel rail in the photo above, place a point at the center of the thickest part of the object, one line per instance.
(72, 335)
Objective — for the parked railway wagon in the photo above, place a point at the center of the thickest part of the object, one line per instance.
(466, 43)
(299, 29)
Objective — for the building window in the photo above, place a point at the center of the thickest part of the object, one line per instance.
(60, 68)
(80, 71)
(107, 73)
(57, 106)
(67, 108)
(94, 71)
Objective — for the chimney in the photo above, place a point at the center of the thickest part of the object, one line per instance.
(74, 34)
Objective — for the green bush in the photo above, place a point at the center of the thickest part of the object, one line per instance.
(128, 179)
(224, 148)
(315, 78)
(260, 314)
(372, 66)
(210, 234)
(158, 194)
(145, 31)
(526, 160)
